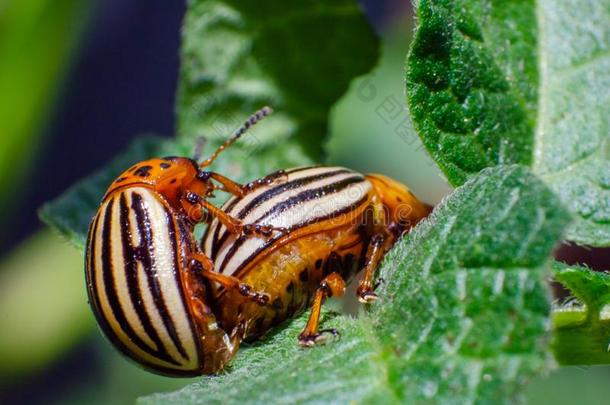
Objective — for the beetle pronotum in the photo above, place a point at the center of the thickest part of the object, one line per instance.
(281, 243)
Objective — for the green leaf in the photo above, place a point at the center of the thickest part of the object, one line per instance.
(471, 83)
(502, 82)
(573, 134)
(71, 212)
(239, 55)
(571, 385)
(236, 57)
(582, 327)
(465, 303)
(276, 370)
(462, 313)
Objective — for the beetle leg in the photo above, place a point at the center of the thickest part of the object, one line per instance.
(240, 190)
(374, 254)
(205, 265)
(235, 226)
(331, 285)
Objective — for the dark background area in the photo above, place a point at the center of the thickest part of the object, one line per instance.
(121, 84)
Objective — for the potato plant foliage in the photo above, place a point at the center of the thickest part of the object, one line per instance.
(506, 98)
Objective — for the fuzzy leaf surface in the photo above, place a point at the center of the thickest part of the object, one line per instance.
(500, 82)
(582, 328)
(461, 317)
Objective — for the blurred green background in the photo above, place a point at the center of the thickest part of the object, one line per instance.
(78, 80)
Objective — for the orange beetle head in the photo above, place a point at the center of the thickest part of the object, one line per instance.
(171, 177)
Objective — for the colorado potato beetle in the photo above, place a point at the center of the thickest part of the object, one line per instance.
(279, 244)
(337, 222)
(147, 280)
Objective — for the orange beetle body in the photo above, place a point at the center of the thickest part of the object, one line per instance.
(169, 177)
(180, 309)
(145, 298)
(337, 223)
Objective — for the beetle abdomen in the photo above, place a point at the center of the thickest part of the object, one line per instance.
(134, 285)
(309, 196)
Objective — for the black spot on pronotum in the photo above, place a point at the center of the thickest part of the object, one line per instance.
(173, 181)
(304, 275)
(165, 165)
(290, 288)
(143, 171)
(318, 263)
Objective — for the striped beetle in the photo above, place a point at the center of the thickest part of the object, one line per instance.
(337, 223)
(281, 243)
(147, 280)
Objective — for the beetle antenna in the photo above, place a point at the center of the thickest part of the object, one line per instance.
(199, 145)
(252, 120)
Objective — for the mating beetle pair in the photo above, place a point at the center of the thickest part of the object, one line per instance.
(281, 243)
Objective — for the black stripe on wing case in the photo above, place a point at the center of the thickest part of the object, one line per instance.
(312, 221)
(146, 255)
(291, 185)
(94, 293)
(270, 194)
(178, 262)
(213, 231)
(284, 205)
(131, 256)
(95, 299)
(110, 287)
(310, 195)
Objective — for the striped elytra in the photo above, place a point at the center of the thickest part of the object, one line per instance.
(309, 195)
(135, 285)
(282, 242)
(337, 222)
(150, 287)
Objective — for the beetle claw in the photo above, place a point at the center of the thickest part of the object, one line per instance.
(367, 296)
(307, 340)
(332, 331)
